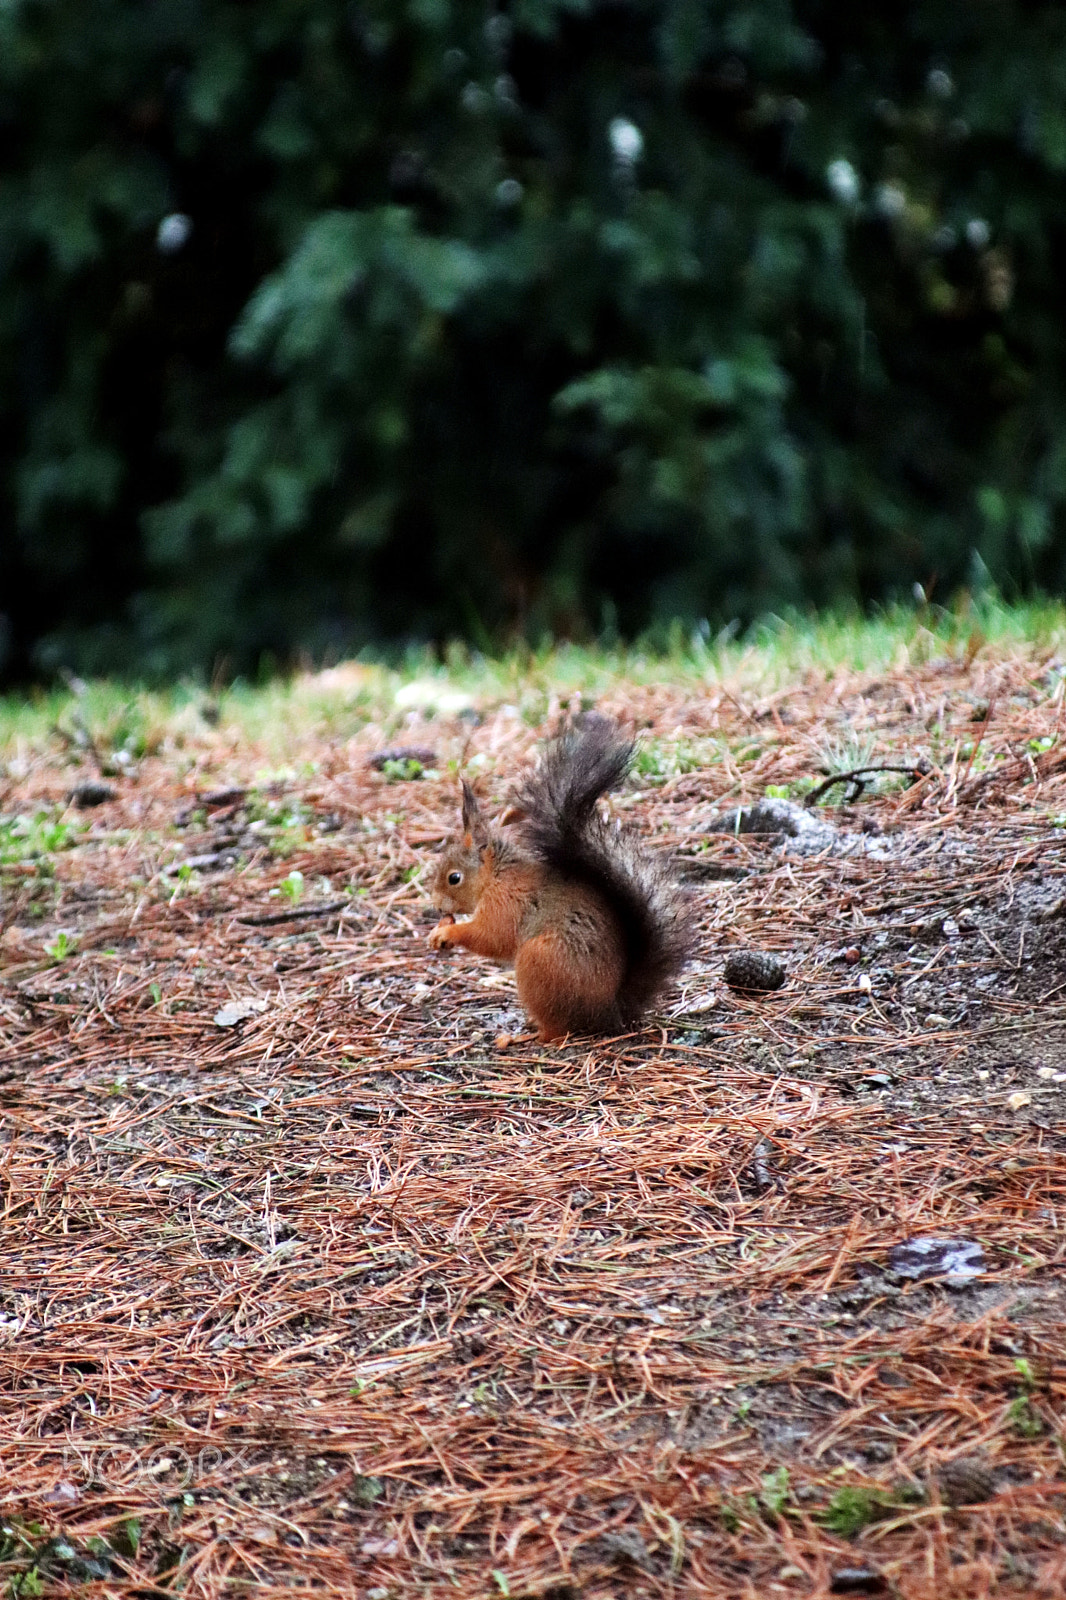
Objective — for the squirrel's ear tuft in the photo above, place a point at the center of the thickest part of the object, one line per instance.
(473, 821)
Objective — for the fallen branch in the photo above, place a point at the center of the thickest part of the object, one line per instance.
(859, 777)
(297, 914)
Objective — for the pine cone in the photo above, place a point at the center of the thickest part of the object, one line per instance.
(754, 970)
(967, 1481)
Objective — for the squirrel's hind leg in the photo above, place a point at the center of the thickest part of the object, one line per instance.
(565, 993)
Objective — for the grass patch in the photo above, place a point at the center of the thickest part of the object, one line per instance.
(123, 723)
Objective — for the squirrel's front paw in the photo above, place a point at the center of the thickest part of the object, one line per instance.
(438, 939)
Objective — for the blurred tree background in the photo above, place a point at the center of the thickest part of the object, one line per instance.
(329, 323)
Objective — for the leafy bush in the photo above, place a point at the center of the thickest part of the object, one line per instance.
(330, 322)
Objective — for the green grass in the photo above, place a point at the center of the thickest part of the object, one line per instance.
(35, 838)
(124, 723)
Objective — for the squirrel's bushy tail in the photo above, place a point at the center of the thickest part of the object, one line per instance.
(563, 828)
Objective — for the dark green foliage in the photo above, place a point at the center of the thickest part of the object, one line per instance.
(557, 314)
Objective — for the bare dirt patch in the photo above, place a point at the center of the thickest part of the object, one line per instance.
(334, 1294)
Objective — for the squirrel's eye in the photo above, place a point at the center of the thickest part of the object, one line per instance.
(455, 878)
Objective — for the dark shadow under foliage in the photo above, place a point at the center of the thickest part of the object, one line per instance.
(329, 324)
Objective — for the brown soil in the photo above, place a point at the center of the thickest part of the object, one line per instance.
(345, 1297)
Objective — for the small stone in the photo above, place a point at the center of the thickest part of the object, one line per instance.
(857, 1580)
(622, 1546)
(935, 1020)
(754, 971)
(852, 955)
(379, 1547)
(85, 795)
(419, 754)
(967, 1481)
(235, 1011)
(215, 798)
(1018, 1101)
(64, 1494)
(957, 1261)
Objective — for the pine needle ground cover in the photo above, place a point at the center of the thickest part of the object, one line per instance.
(313, 1281)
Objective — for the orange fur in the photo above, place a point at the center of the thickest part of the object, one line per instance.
(590, 929)
(521, 916)
(562, 937)
(493, 930)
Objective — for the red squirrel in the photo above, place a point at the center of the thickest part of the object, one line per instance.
(592, 920)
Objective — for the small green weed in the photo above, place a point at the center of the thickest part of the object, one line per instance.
(62, 946)
(845, 755)
(1023, 1415)
(19, 1539)
(127, 1536)
(774, 1492)
(731, 1518)
(30, 838)
(117, 728)
(367, 1490)
(1024, 1419)
(851, 1509)
(185, 876)
(284, 827)
(403, 771)
(292, 887)
(26, 1583)
(655, 761)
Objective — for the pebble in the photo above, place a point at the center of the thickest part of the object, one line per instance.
(857, 1580)
(91, 794)
(957, 1261)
